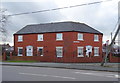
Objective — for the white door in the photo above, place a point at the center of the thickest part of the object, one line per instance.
(29, 51)
(88, 50)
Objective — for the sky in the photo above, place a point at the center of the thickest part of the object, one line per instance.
(103, 16)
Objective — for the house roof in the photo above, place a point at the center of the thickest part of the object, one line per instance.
(57, 27)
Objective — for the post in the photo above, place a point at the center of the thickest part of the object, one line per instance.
(10, 55)
(4, 56)
(105, 57)
(111, 36)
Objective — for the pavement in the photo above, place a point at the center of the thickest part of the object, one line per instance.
(111, 67)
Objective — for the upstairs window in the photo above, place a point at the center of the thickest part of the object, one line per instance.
(80, 36)
(59, 36)
(96, 51)
(96, 38)
(40, 37)
(20, 38)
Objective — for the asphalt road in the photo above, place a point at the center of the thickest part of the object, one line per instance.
(22, 73)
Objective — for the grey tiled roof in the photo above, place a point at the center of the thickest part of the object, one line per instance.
(57, 27)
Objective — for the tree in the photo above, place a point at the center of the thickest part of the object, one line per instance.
(3, 21)
(108, 49)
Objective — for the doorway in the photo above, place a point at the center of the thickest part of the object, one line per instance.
(29, 51)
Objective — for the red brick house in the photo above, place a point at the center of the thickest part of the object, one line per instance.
(58, 42)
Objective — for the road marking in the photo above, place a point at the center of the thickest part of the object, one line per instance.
(97, 73)
(47, 75)
(67, 64)
(100, 74)
(117, 76)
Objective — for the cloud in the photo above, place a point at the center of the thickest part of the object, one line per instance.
(102, 17)
(17, 22)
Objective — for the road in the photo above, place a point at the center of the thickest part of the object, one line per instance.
(23, 73)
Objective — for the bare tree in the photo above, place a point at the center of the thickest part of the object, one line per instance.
(3, 21)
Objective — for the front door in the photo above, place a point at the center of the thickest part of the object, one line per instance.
(88, 50)
(29, 51)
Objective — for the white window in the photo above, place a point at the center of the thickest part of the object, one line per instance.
(59, 51)
(20, 51)
(80, 36)
(96, 51)
(20, 38)
(80, 52)
(40, 51)
(59, 36)
(40, 37)
(96, 38)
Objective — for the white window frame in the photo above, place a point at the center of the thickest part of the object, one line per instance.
(96, 53)
(57, 36)
(61, 55)
(78, 51)
(40, 37)
(20, 38)
(79, 36)
(18, 51)
(96, 38)
(42, 50)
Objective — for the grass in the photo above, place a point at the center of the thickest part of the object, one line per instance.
(20, 61)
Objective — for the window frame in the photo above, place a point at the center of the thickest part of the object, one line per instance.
(40, 37)
(96, 37)
(61, 37)
(20, 38)
(61, 55)
(80, 47)
(42, 50)
(80, 36)
(96, 53)
(18, 51)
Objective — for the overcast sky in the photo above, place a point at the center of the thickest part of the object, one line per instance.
(102, 16)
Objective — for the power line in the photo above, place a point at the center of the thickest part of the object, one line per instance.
(116, 25)
(59, 8)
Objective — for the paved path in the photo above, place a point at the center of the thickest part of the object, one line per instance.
(23, 73)
(113, 67)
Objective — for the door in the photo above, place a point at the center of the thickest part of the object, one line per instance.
(88, 50)
(29, 51)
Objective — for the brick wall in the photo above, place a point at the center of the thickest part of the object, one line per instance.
(113, 59)
(50, 43)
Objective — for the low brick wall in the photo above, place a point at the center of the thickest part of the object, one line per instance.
(4, 57)
(26, 58)
(114, 59)
(47, 59)
(0, 57)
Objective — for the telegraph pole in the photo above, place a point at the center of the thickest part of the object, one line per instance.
(119, 38)
(108, 48)
(111, 36)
